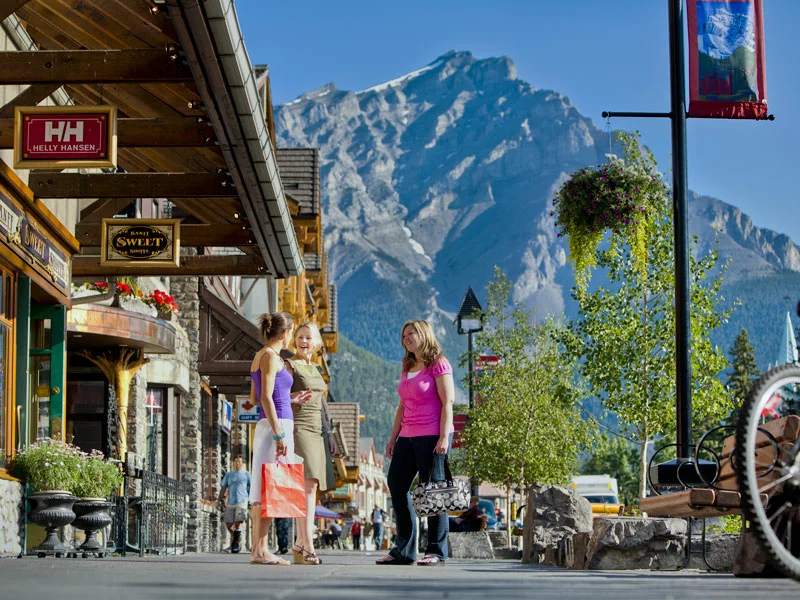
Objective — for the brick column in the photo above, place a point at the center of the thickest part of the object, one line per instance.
(185, 290)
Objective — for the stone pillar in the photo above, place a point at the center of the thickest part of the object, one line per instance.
(137, 415)
(185, 290)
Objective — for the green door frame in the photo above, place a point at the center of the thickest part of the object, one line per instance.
(57, 353)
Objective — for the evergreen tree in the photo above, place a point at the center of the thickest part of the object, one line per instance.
(743, 370)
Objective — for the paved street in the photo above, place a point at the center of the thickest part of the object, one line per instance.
(354, 575)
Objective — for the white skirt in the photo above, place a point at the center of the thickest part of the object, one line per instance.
(264, 452)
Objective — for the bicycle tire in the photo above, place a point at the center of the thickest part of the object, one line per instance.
(774, 543)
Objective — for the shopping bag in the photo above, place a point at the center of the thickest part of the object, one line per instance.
(283, 490)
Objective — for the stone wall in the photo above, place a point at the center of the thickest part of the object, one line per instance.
(185, 290)
(11, 512)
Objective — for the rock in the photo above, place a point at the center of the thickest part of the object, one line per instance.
(554, 514)
(508, 553)
(623, 543)
(720, 552)
(470, 544)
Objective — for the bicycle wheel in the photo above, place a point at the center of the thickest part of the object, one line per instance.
(767, 447)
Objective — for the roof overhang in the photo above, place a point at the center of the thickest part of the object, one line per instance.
(210, 37)
(94, 326)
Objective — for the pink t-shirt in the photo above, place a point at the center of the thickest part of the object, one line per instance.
(422, 408)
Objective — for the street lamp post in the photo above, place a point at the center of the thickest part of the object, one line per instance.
(469, 321)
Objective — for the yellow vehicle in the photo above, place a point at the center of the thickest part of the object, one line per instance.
(601, 491)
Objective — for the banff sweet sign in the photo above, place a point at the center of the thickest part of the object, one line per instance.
(65, 136)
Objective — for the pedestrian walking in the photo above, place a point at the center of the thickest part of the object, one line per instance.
(274, 435)
(282, 526)
(378, 518)
(308, 439)
(420, 441)
(355, 531)
(233, 494)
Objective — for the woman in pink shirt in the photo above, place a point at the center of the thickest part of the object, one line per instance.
(420, 440)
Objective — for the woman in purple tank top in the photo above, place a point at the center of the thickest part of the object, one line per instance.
(274, 435)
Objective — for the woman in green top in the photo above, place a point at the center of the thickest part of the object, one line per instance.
(308, 439)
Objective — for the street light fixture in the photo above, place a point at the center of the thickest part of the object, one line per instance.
(470, 320)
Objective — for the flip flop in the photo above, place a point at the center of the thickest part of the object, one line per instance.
(391, 560)
(430, 560)
(274, 562)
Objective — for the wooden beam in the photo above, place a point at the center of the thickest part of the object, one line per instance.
(103, 208)
(31, 96)
(219, 234)
(92, 66)
(191, 266)
(9, 7)
(131, 185)
(138, 133)
(224, 367)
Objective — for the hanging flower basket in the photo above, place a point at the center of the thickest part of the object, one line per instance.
(617, 197)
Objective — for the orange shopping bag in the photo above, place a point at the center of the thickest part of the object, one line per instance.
(283, 490)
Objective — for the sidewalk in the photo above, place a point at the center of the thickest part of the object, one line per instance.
(345, 575)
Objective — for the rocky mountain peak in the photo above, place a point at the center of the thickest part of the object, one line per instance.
(432, 178)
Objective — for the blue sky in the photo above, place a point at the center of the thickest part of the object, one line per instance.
(611, 55)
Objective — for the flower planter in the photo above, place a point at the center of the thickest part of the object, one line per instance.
(51, 510)
(166, 315)
(133, 304)
(92, 515)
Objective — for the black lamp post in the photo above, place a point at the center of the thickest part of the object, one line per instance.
(470, 320)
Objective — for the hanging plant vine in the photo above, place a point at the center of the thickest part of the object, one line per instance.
(622, 196)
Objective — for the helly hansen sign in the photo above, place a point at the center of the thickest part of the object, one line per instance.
(65, 136)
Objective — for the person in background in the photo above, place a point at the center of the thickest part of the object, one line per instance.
(274, 435)
(471, 519)
(282, 525)
(419, 442)
(308, 438)
(355, 531)
(377, 526)
(233, 493)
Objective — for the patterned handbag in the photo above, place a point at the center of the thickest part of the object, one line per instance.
(440, 497)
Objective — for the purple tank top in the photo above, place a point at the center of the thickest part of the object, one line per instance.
(280, 395)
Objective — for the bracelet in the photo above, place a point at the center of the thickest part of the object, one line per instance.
(278, 438)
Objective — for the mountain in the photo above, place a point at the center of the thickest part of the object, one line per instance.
(432, 178)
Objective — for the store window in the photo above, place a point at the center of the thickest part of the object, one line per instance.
(156, 404)
(7, 314)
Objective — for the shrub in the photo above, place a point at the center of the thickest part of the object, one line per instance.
(50, 465)
(98, 478)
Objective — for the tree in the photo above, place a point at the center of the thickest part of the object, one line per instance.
(527, 424)
(625, 338)
(615, 456)
(743, 370)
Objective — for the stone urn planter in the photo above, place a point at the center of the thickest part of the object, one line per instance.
(92, 515)
(51, 509)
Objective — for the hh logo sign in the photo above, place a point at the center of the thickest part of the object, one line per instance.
(65, 136)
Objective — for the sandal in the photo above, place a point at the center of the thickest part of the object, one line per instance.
(302, 556)
(391, 560)
(430, 560)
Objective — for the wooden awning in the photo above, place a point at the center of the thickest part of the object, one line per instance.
(228, 343)
(91, 326)
(186, 95)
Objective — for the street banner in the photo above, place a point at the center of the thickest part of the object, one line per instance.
(727, 65)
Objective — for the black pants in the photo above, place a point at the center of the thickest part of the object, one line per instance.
(357, 542)
(411, 456)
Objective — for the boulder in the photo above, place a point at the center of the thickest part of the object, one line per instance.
(553, 515)
(623, 543)
(470, 544)
(721, 550)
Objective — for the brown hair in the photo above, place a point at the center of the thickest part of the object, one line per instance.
(430, 350)
(274, 324)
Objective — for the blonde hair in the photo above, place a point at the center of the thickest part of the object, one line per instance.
(316, 337)
(430, 350)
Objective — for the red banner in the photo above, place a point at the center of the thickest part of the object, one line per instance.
(727, 65)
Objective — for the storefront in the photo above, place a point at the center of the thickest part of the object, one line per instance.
(35, 253)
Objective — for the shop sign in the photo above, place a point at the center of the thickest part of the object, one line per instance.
(140, 242)
(226, 417)
(26, 234)
(65, 137)
(246, 411)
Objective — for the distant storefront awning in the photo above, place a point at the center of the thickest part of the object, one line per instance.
(325, 513)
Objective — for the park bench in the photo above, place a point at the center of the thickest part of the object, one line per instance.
(721, 495)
